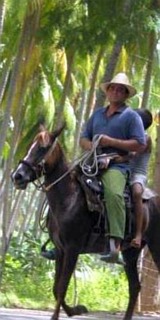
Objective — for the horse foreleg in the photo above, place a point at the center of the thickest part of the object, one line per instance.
(131, 258)
(58, 271)
(67, 268)
(70, 263)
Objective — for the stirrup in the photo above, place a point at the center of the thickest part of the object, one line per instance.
(49, 254)
(113, 257)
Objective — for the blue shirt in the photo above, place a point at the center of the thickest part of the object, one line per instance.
(124, 124)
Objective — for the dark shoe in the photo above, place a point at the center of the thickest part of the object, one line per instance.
(49, 254)
(113, 257)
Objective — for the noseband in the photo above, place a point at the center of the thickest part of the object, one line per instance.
(26, 163)
(34, 169)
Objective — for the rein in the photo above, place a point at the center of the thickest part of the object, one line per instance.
(71, 168)
(82, 161)
(91, 168)
(86, 168)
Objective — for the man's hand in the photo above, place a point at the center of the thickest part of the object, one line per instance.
(103, 162)
(106, 141)
(86, 144)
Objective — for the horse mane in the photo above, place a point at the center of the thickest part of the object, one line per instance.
(47, 139)
(43, 138)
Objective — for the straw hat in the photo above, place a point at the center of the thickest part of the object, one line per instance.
(120, 78)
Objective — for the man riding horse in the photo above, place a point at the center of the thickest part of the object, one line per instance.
(120, 130)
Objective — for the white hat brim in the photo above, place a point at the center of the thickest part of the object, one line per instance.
(132, 91)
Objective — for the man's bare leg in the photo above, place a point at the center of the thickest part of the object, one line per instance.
(139, 213)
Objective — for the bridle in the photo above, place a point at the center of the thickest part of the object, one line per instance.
(26, 163)
(39, 169)
(35, 169)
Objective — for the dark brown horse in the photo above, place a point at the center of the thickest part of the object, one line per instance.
(71, 224)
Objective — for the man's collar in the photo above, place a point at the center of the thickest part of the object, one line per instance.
(119, 110)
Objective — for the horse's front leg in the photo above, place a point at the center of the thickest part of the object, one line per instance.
(62, 282)
(69, 267)
(58, 271)
(131, 257)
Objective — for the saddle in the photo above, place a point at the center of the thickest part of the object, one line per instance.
(94, 193)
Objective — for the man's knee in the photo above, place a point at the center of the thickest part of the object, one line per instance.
(137, 191)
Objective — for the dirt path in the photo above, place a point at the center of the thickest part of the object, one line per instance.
(21, 314)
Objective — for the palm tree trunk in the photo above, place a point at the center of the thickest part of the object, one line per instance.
(80, 118)
(4, 78)
(157, 160)
(148, 77)
(38, 214)
(86, 108)
(2, 16)
(59, 111)
(112, 61)
(90, 100)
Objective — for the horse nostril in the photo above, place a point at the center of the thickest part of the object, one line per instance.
(18, 177)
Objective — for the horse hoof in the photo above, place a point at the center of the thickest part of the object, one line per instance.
(80, 310)
(74, 311)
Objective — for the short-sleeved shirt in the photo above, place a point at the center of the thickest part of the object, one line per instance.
(139, 163)
(124, 124)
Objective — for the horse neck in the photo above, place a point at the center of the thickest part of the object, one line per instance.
(57, 173)
(64, 195)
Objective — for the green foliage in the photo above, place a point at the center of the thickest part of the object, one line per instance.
(27, 284)
(109, 287)
(70, 120)
(28, 281)
(6, 150)
(26, 276)
(17, 9)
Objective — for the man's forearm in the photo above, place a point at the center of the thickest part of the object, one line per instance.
(127, 145)
(85, 144)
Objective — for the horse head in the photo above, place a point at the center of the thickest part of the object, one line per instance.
(41, 154)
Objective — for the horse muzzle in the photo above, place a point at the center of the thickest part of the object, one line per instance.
(19, 180)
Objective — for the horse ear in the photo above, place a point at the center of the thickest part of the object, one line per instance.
(45, 139)
(42, 128)
(58, 131)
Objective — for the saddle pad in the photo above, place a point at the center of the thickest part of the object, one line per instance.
(148, 194)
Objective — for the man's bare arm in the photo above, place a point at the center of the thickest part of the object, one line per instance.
(127, 145)
(85, 144)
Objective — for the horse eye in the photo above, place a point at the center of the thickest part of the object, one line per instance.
(42, 151)
(43, 148)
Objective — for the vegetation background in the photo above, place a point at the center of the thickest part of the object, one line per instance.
(53, 56)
